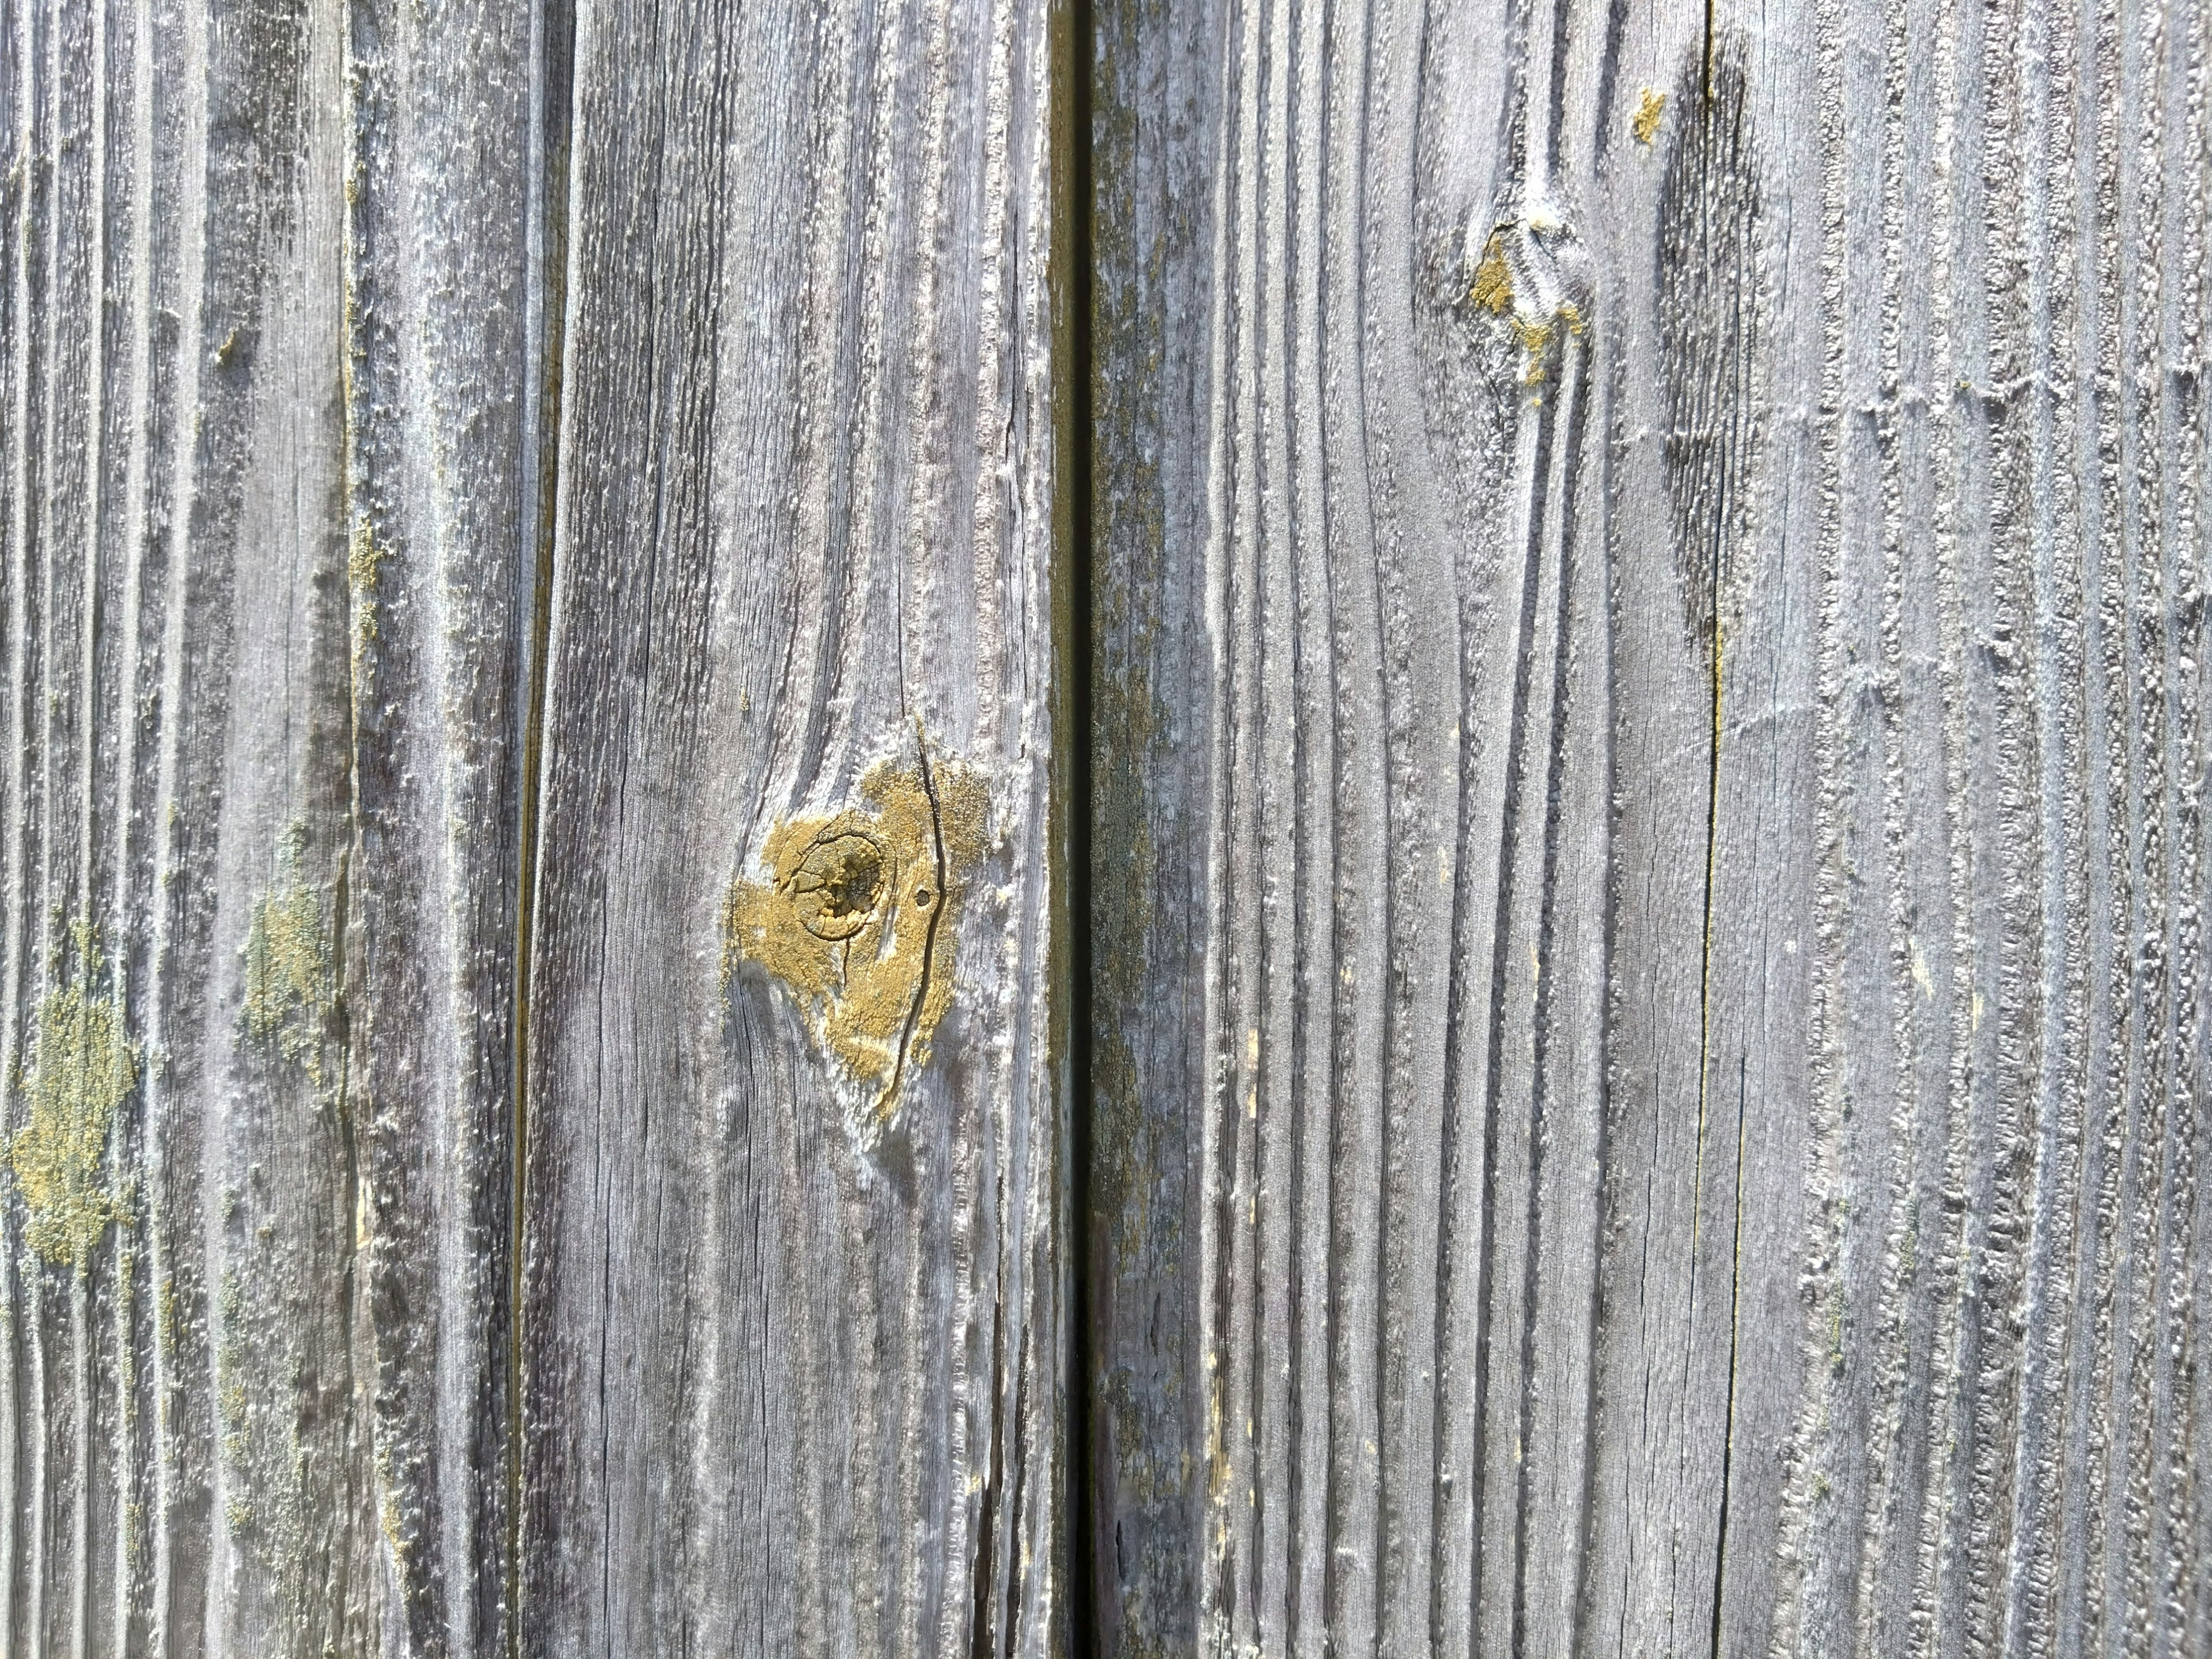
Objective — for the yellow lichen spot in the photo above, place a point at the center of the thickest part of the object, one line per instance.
(1650, 107)
(1535, 335)
(231, 1404)
(1493, 280)
(287, 968)
(859, 914)
(83, 1069)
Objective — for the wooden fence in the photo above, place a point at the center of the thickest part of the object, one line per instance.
(987, 827)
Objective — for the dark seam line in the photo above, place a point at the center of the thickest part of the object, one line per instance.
(1014, 1572)
(1072, 56)
(1736, 1326)
(1705, 1076)
(340, 1033)
(1706, 68)
(979, 1642)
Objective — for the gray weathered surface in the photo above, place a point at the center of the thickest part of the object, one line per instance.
(1597, 1150)
(1648, 736)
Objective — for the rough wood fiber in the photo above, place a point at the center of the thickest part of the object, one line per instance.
(1648, 993)
(792, 1343)
(263, 341)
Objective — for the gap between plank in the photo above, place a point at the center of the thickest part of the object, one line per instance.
(1075, 201)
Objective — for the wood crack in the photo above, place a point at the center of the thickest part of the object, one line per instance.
(936, 911)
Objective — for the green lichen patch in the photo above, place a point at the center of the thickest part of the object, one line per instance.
(364, 558)
(83, 1068)
(288, 970)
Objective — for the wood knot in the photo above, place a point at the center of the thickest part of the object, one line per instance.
(855, 915)
(1528, 270)
(838, 884)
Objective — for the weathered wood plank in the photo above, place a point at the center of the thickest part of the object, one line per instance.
(793, 1326)
(284, 291)
(265, 372)
(1984, 1225)
(1646, 954)
(1388, 839)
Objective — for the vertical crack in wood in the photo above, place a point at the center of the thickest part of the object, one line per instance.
(1709, 326)
(1721, 154)
(1014, 1574)
(551, 115)
(1706, 75)
(1705, 1079)
(889, 1099)
(979, 1645)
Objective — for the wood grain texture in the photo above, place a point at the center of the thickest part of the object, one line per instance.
(264, 346)
(1647, 975)
(792, 1351)
(1648, 738)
